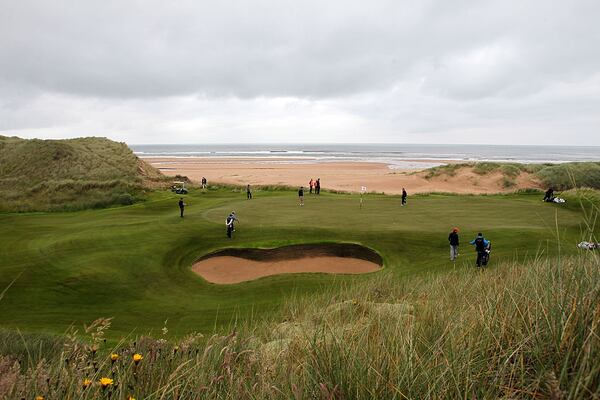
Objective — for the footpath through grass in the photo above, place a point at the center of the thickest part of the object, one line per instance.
(133, 263)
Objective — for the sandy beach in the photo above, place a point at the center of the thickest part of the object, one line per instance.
(345, 176)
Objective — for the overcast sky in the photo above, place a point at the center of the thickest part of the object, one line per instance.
(461, 71)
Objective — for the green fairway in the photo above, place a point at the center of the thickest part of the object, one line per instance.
(133, 263)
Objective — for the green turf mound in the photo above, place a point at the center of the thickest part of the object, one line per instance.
(37, 175)
(344, 250)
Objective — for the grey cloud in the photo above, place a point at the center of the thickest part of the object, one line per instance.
(286, 48)
(236, 70)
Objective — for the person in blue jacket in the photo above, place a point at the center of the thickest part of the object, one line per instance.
(483, 248)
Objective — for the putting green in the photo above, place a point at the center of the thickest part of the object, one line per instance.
(134, 263)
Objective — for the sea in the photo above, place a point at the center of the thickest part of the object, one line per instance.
(394, 155)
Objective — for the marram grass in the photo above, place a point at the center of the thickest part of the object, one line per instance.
(521, 330)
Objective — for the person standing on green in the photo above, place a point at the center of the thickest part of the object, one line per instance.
(248, 192)
(301, 195)
(181, 206)
(404, 195)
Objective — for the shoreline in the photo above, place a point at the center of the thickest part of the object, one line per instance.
(348, 176)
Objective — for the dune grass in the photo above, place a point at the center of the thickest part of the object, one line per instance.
(70, 174)
(519, 330)
(559, 176)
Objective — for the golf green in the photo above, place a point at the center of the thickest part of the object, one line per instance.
(133, 263)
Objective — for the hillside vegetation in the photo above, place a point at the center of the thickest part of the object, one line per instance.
(69, 174)
(522, 330)
(559, 176)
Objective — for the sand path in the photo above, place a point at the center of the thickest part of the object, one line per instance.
(228, 269)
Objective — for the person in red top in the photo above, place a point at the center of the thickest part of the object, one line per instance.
(311, 184)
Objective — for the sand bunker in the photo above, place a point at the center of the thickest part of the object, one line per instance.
(239, 265)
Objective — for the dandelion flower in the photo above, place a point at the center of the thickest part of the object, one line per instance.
(105, 382)
(114, 357)
(137, 357)
(130, 397)
(39, 397)
(86, 383)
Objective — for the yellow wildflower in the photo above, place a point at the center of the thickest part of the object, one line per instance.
(39, 397)
(137, 357)
(130, 397)
(86, 383)
(105, 382)
(114, 357)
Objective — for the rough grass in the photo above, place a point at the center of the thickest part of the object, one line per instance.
(522, 330)
(69, 174)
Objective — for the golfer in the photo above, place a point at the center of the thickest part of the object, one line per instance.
(404, 195)
(301, 195)
(483, 248)
(248, 193)
(549, 195)
(229, 222)
(453, 239)
(181, 206)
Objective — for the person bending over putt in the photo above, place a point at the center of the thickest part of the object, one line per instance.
(483, 248)
(181, 206)
(453, 239)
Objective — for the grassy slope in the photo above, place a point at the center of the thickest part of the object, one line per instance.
(559, 176)
(68, 174)
(132, 263)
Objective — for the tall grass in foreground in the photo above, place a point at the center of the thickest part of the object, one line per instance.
(515, 331)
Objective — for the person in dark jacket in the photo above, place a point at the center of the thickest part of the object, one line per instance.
(229, 222)
(483, 248)
(549, 195)
(318, 186)
(181, 206)
(301, 195)
(453, 239)
(404, 195)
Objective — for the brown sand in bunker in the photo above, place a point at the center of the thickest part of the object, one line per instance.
(226, 269)
(239, 265)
